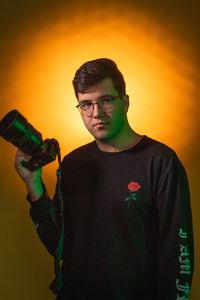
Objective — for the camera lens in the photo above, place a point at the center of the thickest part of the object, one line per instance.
(15, 129)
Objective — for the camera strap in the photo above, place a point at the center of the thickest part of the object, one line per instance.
(57, 284)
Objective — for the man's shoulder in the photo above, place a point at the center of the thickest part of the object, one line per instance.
(81, 151)
(162, 154)
(156, 147)
(159, 152)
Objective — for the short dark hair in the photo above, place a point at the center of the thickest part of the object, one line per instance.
(94, 71)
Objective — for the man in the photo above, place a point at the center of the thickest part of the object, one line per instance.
(127, 216)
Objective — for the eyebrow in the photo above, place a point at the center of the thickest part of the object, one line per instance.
(88, 100)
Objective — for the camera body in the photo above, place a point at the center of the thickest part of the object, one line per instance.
(44, 157)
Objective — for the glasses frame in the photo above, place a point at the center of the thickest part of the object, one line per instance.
(81, 110)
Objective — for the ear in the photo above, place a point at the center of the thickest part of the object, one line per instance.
(125, 99)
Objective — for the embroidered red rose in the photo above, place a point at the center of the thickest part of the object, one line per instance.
(134, 186)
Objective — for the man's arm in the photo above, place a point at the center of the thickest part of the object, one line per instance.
(175, 234)
(41, 211)
(32, 180)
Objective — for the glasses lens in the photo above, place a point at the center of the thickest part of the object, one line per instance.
(88, 111)
(107, 103)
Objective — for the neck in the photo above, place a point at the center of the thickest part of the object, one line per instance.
(124, 141)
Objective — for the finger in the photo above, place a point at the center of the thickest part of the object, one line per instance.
(20, 152)
(21, 155)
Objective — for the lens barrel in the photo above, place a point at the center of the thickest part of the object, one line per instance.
(15, 129)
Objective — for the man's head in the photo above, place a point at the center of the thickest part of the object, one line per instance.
(94, 71)
(100, 90)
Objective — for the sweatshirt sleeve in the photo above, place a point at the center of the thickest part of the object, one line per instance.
(175, 249)
(43, 217)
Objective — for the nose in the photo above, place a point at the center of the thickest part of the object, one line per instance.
(97, 111)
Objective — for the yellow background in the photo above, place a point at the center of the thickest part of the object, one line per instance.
(156, 46)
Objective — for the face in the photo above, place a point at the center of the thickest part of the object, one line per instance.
(105, 126)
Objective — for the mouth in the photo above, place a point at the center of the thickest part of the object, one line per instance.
(100, 124)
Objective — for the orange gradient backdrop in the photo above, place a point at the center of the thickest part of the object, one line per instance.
(160, 80)
(161, 83)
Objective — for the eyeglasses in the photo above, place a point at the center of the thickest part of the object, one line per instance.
(106, 103)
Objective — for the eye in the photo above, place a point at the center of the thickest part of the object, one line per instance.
(86, 105)
(107, 100)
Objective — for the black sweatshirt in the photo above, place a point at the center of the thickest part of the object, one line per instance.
(127, 224)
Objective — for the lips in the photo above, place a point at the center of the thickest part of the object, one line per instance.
(100, 124)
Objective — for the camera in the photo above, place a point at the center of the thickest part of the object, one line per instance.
(15, 129)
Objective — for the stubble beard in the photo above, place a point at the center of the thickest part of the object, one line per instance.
(101, 135)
